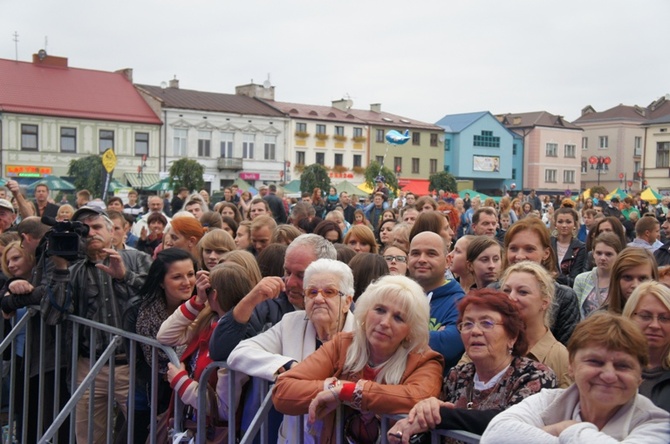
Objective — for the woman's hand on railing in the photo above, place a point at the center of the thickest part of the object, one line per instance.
(324, 403)
(173, 370)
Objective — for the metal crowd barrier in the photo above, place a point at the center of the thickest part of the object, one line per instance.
(115, 338)
(107, 357)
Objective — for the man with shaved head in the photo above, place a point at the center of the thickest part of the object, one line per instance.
(427, 264)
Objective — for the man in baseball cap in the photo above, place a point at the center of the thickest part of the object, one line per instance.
(7, 215)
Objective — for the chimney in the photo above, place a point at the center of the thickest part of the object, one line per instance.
(127, 73)
(174, 83)
(376, 107)
(42, 58)
(265, 91)
(343, 104)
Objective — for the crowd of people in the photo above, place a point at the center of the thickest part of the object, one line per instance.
(530, 319)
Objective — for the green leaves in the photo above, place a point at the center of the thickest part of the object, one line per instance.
(187, 173)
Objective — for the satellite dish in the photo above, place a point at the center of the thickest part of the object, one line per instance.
(163, 85)
(267, 84)
(41, 54)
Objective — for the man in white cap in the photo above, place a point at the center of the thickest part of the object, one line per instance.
(7, 215)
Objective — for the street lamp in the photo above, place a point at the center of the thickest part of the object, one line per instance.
(600, 163)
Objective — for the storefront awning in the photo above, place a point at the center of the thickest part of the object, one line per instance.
(147, 180)
(417, 186)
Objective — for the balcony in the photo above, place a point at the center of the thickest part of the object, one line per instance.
(229, 163)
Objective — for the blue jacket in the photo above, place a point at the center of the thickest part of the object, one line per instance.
(444, 336)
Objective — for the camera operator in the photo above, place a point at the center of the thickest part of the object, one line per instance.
(101, 285)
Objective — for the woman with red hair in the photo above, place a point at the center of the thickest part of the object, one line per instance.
(185, 233)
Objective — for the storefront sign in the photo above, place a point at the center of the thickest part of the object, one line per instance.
(28, 171)
(250, 176)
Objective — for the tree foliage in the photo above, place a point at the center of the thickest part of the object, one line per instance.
(599, 189)
(187, 173)
(87, 174)
(374, 169)
(314, 176)
(442, 181)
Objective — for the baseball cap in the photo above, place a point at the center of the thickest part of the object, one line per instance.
(87, 211)
(614, 199)
(4, 203)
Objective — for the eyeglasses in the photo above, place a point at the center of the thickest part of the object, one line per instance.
(483, 325)
(329, 292)
(395, 258)
(648, 317)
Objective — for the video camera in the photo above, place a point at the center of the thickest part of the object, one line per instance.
(64, 238)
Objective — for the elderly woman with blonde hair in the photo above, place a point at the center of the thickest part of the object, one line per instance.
(383, 367)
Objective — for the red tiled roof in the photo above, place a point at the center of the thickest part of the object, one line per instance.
(210, 101)
(41, 89)
(392, 120)
(619, 112)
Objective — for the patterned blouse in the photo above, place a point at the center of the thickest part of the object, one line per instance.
(524, 377)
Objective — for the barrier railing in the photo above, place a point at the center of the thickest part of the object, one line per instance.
(115, 338)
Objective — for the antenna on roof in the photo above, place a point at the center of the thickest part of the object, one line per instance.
(46, 42)
(267, 84)
(16, 45)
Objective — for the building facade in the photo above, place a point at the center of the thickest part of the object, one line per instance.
(551, 164)
(479, 148)
(232, 135)
(618, 149)
(53, 114)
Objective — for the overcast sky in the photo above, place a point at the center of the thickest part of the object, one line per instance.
(422, 59)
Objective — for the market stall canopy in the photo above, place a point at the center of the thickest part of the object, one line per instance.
(54, 183)
(245, 186)
(161, 185)
(347, 187)
(650, 195)
(621, 194)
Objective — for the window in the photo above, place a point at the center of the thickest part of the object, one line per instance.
(339, 130)
(397, 164)
(415, 165)
(636, 166)
(204, 143)
(486, 139)
(270, 145)
(380, 136)
(301, 127)
(568, 176)
(550, 175)
(320, 158)
(569, 151)
(321, 129)
(585, 165)
(604, 142)
(552, 150)
(514, 149)
(180, 143)
(106, 140)
(68, 140)
(433, 166)
(141, 144)
(380, 160)
(447, 145)
(339, 159)
(638, 146)
(29, 137)
(358, 132)
(358, 160)
(585, 143)
(227, 140)
(662, 154)
(248, 141)
(416, 138)
(433, 139)
(513, 173)
(300, 157)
